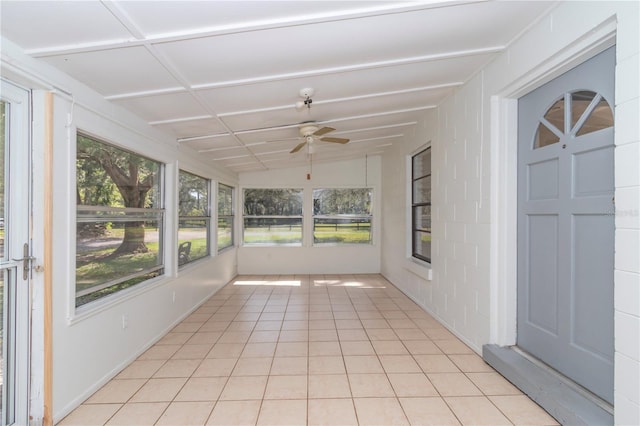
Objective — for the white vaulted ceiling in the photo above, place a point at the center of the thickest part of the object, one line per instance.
(223, 77)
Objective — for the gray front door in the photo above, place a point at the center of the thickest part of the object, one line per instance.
(566, 224)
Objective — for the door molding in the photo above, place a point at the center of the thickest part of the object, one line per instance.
(504, 176)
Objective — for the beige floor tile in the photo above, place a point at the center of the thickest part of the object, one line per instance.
(186, 327)
(214, 326)
(159, 390)
(244, 387)
(523, 411)
(329, 386)
(451, 347)
(381, 334)
(453, 384)
(272, 316)
(373, 324)
(90, 415)
(239, 330)
(470, 363)
(252, 367)
(389, 347)
(399, 364)
(186, 414)
(173, 338)
(141, 414)
(330, 412)
(192, 352)
(363, 364)
(493, 384)
(177, 368)
(356, 348)
(283, 412)
(294, 336)
(117, 391)
(293, 325)
(352, 334)
(436, 364)
(141, 369)
(226, 350)
(476, 410)
(370, 385)
(215, 367)
(422, 347)
(342, 315)
(239, 413)
(411, 385)
(325, 348)
(320, 315)
(268, 326)
(326, 324)
(259, 350)
(326, 365)
(323, 335)
(264, 336)
(162, 352)
(234, 337)
(288, 366)
(369, 313)
(439, 333)
(428, 412)
(290, 349)
(204, 338)
(379, 411)
(286, 387)
(409, 334)
(348, 324)
(201, 389)
(398, 324)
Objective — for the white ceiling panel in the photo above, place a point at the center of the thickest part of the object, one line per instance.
(178, 16)
(116, 71)
(223, 77)
(52, 24)
(175, 106)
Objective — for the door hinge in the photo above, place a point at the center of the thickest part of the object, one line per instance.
(26, 261)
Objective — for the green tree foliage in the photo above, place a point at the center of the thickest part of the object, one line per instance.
(102, 167)
(272, 202)
(354, 201)
(193, 195)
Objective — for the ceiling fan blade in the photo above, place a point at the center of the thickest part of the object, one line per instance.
(297, 148)
(323, 131)
(335, 140)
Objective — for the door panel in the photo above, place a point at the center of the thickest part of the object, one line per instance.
(566, 225)
(14, 233)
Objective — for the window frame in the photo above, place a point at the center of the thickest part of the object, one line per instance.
(206, 218)
(342, 216)
(245, 216)
(415, 205)
(231, 217)
(91, 213)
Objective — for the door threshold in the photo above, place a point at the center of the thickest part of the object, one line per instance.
(566, 401)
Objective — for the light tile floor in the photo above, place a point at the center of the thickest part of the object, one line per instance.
(316, 350)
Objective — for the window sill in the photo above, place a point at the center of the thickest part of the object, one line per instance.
(419, 268)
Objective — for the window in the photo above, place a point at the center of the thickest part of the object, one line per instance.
(120, 218)
(225, 217)
(272, 217)
(421, 205)
(194, 220)
(342, 216)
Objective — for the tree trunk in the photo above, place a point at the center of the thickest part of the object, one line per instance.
(133, 241)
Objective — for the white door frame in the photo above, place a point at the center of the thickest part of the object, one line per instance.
(504, 178)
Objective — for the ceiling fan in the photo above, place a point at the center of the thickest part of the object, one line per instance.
(310, 132)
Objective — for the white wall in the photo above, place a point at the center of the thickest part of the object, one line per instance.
(90, 344)
(473, 287)
(308, 259)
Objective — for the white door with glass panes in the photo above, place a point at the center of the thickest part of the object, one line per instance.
(15, 251)
(566, 223)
